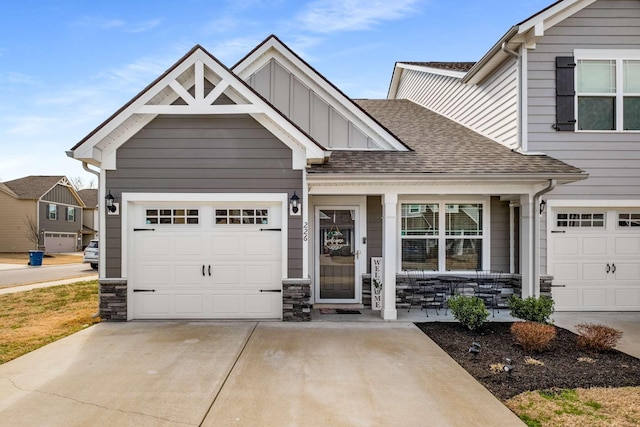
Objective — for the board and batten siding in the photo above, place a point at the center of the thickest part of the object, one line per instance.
(307, 109)
(490, 108)
(612, 159)
(203, 154)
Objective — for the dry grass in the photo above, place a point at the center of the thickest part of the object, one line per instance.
(595, 407)
(49, 259)
(32, 319)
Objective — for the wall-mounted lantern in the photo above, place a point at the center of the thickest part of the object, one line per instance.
(294, 204)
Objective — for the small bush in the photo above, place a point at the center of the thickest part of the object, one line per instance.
(531, 308)
(469, 311)
(598, 338)
(533, 336)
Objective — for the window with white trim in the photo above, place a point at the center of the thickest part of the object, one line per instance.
(241, 216)
(71, 214)
(608, 90)
(52, 212)
(442, 236)
(172, 216)
(580, 220)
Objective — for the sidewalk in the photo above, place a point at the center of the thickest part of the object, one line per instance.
(28, 287)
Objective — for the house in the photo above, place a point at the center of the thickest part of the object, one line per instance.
(566, 83)
(40, 212)
(90, 223)
(260, 190)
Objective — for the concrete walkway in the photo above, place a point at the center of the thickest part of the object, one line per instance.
(245, 374)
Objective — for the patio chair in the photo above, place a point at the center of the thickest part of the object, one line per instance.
(413, 292)
(488, 288)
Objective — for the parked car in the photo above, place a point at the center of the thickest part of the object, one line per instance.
(91, 254)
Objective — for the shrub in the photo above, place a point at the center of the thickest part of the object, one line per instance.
(533, 336)
(598, 338)
(469, 311)
(531, 308)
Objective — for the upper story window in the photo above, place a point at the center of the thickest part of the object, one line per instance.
(52, 212)
(608, 90)
(71, 214)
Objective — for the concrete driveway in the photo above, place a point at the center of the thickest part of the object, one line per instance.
(244, 374)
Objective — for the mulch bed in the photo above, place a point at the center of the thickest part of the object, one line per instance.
(562, 367)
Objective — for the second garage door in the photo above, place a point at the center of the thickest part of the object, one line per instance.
(199, 261)
(594, 258)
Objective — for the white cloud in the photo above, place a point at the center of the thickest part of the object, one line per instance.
(328, 16)
(234, 49)
(110, 24)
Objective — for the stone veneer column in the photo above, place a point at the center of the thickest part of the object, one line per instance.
(296, 300)
(113, 300)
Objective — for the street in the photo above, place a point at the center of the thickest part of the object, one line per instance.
(11, 275)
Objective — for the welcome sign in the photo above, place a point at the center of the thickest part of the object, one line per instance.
(376, 283)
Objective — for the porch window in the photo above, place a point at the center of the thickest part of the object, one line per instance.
(427, 245)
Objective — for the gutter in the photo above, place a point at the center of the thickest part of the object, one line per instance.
(319, 178)
(534, 287)
(496, 49)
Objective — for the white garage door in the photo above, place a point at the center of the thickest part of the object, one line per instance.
(59, 242)
(206, 261)
(594, 257)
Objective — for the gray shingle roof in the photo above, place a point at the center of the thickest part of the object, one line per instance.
(440, 146)
(34, 186)
(453, 66)
(89, 196)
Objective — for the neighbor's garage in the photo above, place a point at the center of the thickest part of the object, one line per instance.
(594, 257)
(60, 242)
(205, 261)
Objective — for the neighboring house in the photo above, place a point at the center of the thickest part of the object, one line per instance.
(566, 83)
(90, 218)
(256, 191)
(46, 205)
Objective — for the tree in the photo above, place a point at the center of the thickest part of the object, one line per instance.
(32, 232)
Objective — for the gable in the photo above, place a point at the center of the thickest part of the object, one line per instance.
(310, 101)
(62, 194)
(196, 85)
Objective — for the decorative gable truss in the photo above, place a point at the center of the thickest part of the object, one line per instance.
(196, 85)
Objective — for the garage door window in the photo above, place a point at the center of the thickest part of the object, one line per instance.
(628, 220)
(172, 216)
(241, 216)
(580, 220)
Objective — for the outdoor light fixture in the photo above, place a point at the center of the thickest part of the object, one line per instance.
(294, 204)
(508, 368)
(108, 202)
(474, 349)
(543, 204)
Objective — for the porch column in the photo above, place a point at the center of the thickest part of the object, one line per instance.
(389, 250)
(527, 250)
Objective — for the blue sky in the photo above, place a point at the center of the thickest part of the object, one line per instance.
(65, 66)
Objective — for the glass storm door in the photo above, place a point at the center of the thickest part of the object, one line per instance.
(337, 255)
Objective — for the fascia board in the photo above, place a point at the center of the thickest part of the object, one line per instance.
(445, 177)
(396, 76)
(554, 14)
(433, 70)
(273, 49)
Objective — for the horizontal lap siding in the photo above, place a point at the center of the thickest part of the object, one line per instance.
(489, 108)
(499, 235)
(611, 159)
(374, 228)
(177, 154)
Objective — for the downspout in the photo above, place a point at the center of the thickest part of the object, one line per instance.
(535, 282)
(85, 166)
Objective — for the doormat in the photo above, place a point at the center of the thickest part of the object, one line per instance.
(338, 311)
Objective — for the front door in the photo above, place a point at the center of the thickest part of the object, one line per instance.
(337, 255)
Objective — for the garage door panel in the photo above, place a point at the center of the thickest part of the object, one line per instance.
(260, 303)
(225, 275)
(627, 298)
(189, 304)
(627, 246)
(188, 246)
(566, 246)
(152, 304)
(626, 271)
(263, 275)
(189, 274)
(596, 271)
(566, 271)
(226, 304)
(151, 245)
(594, 298)
(565, 297)
(260, 244)
(594, 246)
(155, 274)
(226, 245)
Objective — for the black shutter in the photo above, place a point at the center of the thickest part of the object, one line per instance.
(565, 93)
